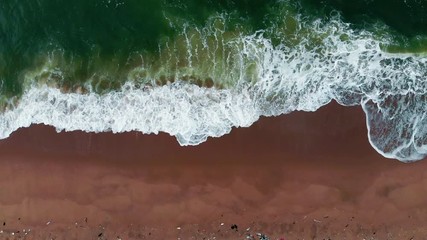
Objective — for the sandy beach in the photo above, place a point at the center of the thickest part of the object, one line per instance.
(298, 176)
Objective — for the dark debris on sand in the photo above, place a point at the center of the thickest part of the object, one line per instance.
(234, 227)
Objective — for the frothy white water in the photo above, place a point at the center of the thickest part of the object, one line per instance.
(332, 62)
(392, 88)
(186, 111)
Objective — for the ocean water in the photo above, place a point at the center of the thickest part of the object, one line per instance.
(196, 69)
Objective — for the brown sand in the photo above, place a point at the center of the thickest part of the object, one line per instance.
(299, 176)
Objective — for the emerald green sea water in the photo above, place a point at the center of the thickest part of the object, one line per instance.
(196, 69)
(99, 37)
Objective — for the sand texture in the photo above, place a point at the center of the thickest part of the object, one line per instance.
(298, 176)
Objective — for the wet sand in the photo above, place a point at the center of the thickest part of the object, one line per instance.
(299, 176)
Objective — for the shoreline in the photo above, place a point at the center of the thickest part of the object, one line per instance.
(311, 175)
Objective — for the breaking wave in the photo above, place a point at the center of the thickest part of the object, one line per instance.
(315, 62)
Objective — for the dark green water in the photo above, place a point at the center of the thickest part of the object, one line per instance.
(113, 29)
(406, 17)
(94, 35)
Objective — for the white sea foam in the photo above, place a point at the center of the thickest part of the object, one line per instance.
(354, 71)
(186, 111)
